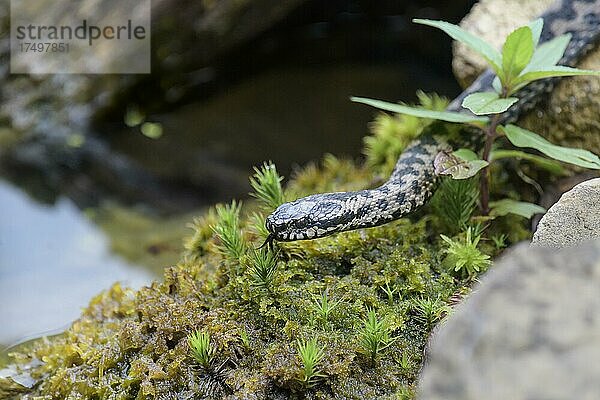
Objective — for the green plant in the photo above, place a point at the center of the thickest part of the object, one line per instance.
(455, 202)
(266, 184)
(390, 134)
(257, 226)
(375, 336)
(245, 339)
(405, 362)
(311, 355)
(197, 244)
(464, 257)
(430, 310)
(227, 228)
(323, 306)
(406, 393)
(202, 349)
(262, 268)
(389, 292)
(521, 61)
(499, 240)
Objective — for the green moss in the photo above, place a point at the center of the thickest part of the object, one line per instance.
(135, 344)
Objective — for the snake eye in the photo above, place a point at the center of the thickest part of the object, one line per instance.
(300, 223)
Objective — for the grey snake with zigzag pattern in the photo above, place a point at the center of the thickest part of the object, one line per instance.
(413, 180)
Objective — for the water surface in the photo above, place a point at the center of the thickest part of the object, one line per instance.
(52, 261)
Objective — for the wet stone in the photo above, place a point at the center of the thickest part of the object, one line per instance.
(530, 330)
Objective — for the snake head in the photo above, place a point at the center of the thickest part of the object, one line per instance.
(307, 218)
(290, 221)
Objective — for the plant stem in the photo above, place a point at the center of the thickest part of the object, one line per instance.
(484, 182)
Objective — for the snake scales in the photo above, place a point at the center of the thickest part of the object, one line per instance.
(413, 180)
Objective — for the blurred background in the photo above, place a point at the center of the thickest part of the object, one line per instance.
(99, 174)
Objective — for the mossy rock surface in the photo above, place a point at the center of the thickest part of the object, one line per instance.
(134, 344)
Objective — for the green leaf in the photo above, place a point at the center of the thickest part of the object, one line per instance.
(523, 138)
(488, 52)
(549, 72)
(497, 85)
(509, 206)
(548, 54)
(447, 163)
(483, 103)
(516, 53)
(466, 154)
(536, 27)
(153, 130)
(422, 113)
(552, 166)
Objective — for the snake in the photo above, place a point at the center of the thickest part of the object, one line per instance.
(414, 180)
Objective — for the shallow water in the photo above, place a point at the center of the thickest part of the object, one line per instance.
(52, 261)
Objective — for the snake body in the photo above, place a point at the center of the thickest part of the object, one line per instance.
(413, 180)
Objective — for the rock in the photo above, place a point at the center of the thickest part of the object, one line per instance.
(531, 330)
(51, 117)
(569, 115)
(575, 218)
(187, 36)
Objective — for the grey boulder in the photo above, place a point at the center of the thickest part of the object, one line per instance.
(575, 218)
(530, 330)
